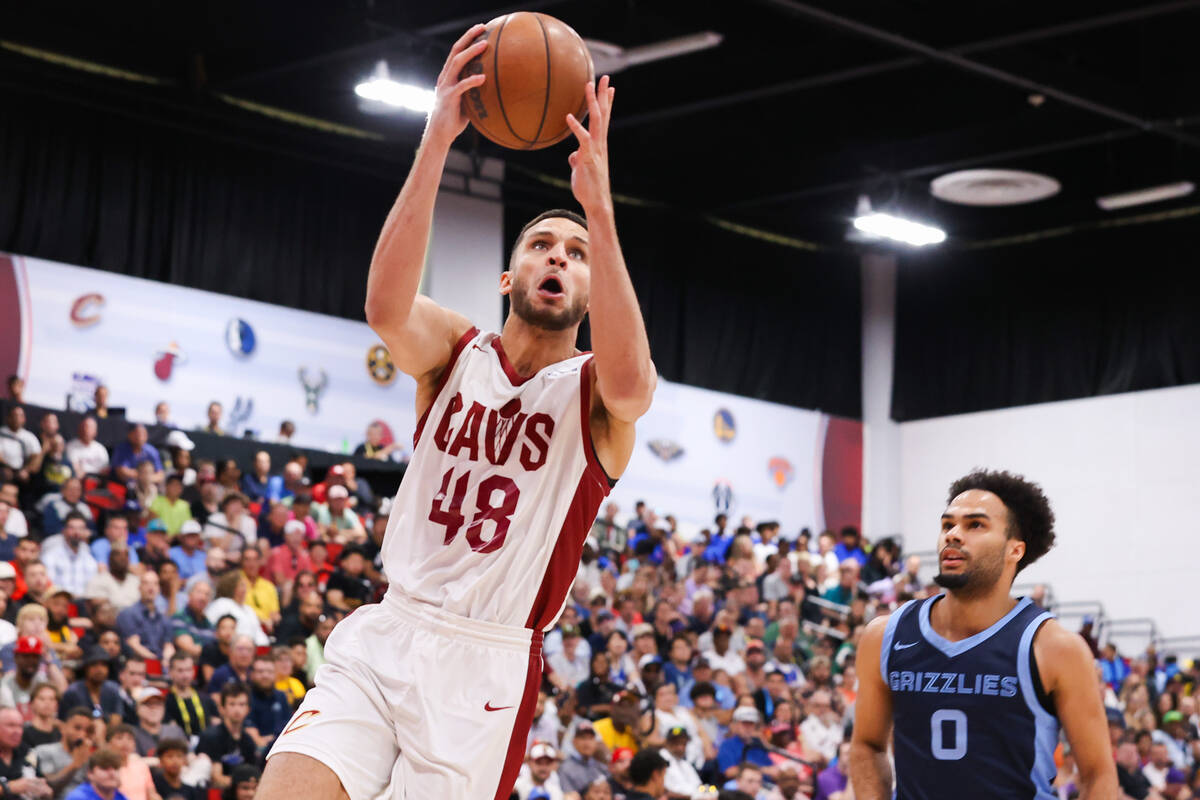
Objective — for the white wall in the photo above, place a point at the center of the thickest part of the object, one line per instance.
(881, 436)
(1122, 473)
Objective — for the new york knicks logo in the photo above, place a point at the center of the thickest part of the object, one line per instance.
(239, 337)
(85, 311)
(781, 471)
(380, 366)
(723, 425)
(666, 450)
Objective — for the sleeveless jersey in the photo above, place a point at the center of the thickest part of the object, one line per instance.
(967, 716)
(503, 486)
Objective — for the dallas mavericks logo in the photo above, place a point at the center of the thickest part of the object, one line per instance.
(723, 425)
(239, 337)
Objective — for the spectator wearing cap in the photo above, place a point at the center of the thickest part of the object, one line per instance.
(87, 456)
(620, 728)
(650, 668)
(136, 448)
(146, 630)
(150, 730)
(232, 527)
(647, 773)
(681, 779)
(170, 507)
(540, 774)
(336, 520)
(94, 690)
(743, 743)
(63, 639)
(349, 587)
(116, 585)
(290, 558)
(189, 553)
(261, 594)
(1173, 735)
(570, 666)
(33, 662)
(191, 629)
(72, 565)
(581, 767)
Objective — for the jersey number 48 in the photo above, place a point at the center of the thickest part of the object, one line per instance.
(446, 509)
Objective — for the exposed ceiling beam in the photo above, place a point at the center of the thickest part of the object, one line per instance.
(905, 62)
(961, 62)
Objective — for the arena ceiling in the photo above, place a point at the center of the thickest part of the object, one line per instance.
(802, 107)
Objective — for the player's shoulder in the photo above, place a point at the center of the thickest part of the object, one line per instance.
(1060, 653)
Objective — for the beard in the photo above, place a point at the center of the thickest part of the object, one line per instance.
(982, 574)
(550, 319)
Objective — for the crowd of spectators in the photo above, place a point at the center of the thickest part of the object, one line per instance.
(159, 642)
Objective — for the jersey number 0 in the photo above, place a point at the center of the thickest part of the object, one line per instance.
(485, 509)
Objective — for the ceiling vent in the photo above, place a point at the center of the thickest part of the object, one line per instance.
(993, 187)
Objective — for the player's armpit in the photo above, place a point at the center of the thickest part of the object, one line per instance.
(1069, 677)
(869, 769)
(421, 341)
(613, 438)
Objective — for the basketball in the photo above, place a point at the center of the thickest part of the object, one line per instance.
(536, 67)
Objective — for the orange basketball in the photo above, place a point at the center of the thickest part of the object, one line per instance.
(536, 67)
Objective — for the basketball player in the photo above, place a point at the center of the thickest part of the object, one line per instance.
(430, 694)
(975, 683)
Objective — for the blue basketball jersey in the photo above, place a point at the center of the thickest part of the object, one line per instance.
(967, 715)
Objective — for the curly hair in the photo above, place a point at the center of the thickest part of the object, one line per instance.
(1030, 517)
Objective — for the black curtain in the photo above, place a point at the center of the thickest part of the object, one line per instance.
(739, 315)
(1092, 313)
(97, 189)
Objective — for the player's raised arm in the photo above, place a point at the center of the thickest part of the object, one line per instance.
(625, 376)
(869, 770)
(419, 333)
(1069, 676)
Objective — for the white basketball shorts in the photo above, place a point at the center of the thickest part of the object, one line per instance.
(415, 702)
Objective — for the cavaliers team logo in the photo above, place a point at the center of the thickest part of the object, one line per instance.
(380, 366)
(723, 425)
(781, 471)
(166, 360)
(85, 311)
(240, 338)
(666, 450)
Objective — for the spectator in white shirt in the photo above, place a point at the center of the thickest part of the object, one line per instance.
(822, 728)
(20, 450)
(87, 456)
(682, 778)
(15, 524)
(72, 566)
(231, 527)
(571, 666)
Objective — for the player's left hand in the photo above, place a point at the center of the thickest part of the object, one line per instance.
(589, 164)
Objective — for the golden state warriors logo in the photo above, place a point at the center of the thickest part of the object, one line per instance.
(781, 471)
(724, 426)
(380, 366)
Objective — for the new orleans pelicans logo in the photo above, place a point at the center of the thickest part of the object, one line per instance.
(723, 425)
(85, 311)
(314, 387)
(380, 366)
(665, 449)
(781, 471)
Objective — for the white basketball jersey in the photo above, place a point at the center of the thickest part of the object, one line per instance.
(503, 486)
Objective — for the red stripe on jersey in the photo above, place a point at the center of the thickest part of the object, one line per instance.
(593, 487)
(510, 372)
(459, 346)
(516, 745)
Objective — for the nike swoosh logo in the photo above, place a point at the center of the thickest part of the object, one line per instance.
(904, 646)
(489, 707)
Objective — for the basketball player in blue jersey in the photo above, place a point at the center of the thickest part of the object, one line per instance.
(973, 684)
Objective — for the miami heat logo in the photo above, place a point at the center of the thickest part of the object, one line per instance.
(165, 361)
(85, 311)
(781, 471)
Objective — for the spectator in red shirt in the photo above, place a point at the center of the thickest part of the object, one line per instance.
(290, 557)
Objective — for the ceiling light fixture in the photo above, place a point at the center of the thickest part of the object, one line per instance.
(380, 88)
(1153, 194)
(899, 229)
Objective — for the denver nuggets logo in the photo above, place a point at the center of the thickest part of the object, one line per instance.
(781, 471)
(724, 426)
(85, 311)
(665, 449)
(380, 366)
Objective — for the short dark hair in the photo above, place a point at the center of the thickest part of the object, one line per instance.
(644, 764)
(748, 765)
(703, 689)
(171, 744)
(117, 730)
(106, 758)
(174, 477)
(1030, 517)
(75, 515)
(234, 689)
(554, 213)
(78, 711)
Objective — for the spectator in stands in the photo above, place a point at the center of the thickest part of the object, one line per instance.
(20, 449)
(116, 585)
(834, 778)
(847, 586)
(150, 729)
(538, 778)
(269, 707)
(237, 669)
(103, 777)
(56, 469)
(261, 594)
(243, 783)
(229, 477)
(134, 778)
(154, 553)
(191, 629)
(580, 767)
(168, 775)
(33, 660)
(100, 402)
(743, 744)
(338, 523)
(42, 726)
(145, 488)
(16, 389)
(189, 709)
(227, 744)
(57, 505)
(189, 554)
(162, 414)
(94, 691)
(374, 447)
(290, 558)
(362, 498)
(292, 688)
(116, 535)
(231, 601)
(301, 620)
(133, 451)
(8, 543)
(13, 757)
(213, 425)
(71, 566)
(850, 546)
(231, 527)
(259, 484)
(15, 525)
(315, 644)
(145, 630)
(87, 456)
(170, 507)
(287, 429)
(647, 773)
(64, 764)
(349, 587)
